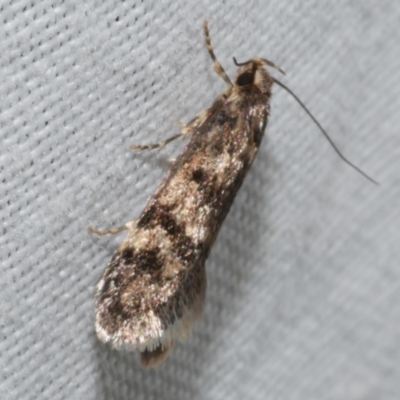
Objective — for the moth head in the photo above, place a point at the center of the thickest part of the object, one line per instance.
(252, 72)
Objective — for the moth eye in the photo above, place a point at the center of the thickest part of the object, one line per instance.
(246, 78)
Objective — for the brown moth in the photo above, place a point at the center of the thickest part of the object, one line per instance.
(153, 288)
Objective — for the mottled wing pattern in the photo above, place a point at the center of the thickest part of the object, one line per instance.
(153, 289)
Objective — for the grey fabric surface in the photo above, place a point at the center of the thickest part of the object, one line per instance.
(303, 282)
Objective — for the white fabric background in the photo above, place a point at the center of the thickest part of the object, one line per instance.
(303, 282)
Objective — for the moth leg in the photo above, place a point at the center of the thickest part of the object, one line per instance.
(156, 145)
(186, 131)
(151, 359)
(179, 123)
(217, 66)
(112, 231)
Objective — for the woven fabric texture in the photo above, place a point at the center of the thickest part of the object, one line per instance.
(303, 282)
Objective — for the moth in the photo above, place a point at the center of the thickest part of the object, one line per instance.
(153, 289)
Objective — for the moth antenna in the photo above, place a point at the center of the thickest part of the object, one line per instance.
(217, 65)
(302, 105)
(261, 61)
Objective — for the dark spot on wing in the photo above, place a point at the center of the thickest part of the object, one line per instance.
(168, 223)
(148, 260)
(198, 175)
(226, 118)
(126, 256)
